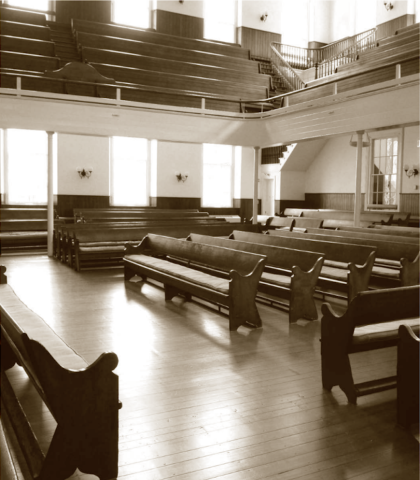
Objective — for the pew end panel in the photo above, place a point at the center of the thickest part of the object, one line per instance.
(371, 322)
(407, 377)
(359, 276)
(83, 399)
(409, 274)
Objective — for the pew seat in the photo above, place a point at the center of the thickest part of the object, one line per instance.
(82, 398)
(149, 260)
(371, 322)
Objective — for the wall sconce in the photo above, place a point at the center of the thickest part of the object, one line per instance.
(411, 171)
(84, 173)
(181, 177)
(388, 5)
(263, 17)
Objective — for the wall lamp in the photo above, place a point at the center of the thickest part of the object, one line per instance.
(181, 177)
(84, 173)
(263, 17)
(411, 171)
(388, 5)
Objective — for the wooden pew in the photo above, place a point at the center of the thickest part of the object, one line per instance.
(371, 322)
(334, 224)
(393, 228)
(8, 470)
(82, 398)
(372, 217)
(407, 377)
(149, 36)
(105, 247)
(164, 51)
(281, 222)
(396, 263)
(358, 260)
(24, 30)
(27, 45)
(21, 16)
(400, 232)
(167, 66)
(365, 233)
(293, 274)
(139, 214)
(238, 293)
(28, 62)
(293, 212)
(302, 223)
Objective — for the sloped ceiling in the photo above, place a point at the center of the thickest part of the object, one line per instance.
(303, 155)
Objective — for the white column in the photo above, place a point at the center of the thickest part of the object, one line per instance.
(50, 208)
(257, 154)
(358, 189)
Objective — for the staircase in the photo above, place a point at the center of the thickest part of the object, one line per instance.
(65, 44)
(278, 85)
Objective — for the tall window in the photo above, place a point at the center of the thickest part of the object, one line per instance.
(220, 18)
(217, 175)
(134, 13)
(384, 176)
(30, 4)
(27, 167)
(129, 171)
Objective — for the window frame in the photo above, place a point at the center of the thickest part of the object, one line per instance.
(380, 135)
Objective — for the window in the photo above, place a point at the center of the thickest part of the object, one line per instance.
(220, 20)
(43, 5)
(129, 171)
(132, 13)
(384, 176)
(218, 161)
(26, 166)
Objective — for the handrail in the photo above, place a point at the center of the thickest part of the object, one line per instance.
(284, 70)
(365, 41)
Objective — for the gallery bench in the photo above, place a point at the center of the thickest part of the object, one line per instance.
(82, 398)
(292, 274)
(371, 322)
(358, 260)
(148, 260)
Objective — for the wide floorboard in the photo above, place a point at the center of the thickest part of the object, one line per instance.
(200, 402)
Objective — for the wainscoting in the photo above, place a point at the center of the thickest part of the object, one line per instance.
(389, 28)
(246, 208)
(66, 203)
(409, 202)
(257, 41)
(177, 24)
(93, 11)
(178, 202)
(335, 201)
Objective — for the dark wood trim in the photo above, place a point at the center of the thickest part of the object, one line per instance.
(93, 11)
(66, 203)
(409, 202)
(178, 202)
(221, 211)
(257, 41)
(246, 208)
(335, 201)
(387, 29)
(177, 24)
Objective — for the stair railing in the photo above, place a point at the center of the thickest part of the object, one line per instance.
(362, 42)
(285, 71)
(297, 57)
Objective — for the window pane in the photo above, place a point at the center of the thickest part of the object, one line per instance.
(383, 185)
(27, 167)
(133, 13)
(129, 171)
(31, 4)
(220, 20)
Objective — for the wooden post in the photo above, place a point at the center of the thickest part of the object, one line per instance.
(50, 208)
(19, 85)
(398, 71)
(203, 103)
(257, 154)
(286, 101)
(358, 189)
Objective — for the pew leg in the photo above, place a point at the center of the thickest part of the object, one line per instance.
(331, 376)
(128, 273)
(243, 311)
(171, 292)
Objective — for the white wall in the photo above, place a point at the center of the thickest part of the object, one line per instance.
(82, 151)
(400, 8)
(183, 158)
(252, 11)
(292, 185)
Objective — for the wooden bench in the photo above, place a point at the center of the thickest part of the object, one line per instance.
(400, 232)
(24, 30)
(106, 247)
(27, 45)
(149, 36)
(293, 212)
(281, 222)
(21, 16)
(293, 274)
(365, 233)
(396, 263)
(164, 51)
(371, 322)
(407, 377)
(393, 228)
(148, 260)
(169, 66)
(82, 398)
(358, 260)
(372, 217)
(28, 62)
(303, 223)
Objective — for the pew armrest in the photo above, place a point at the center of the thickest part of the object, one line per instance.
(358, 277)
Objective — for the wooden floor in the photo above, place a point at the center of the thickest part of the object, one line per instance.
(202, 403)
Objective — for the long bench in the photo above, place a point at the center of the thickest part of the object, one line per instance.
(356, 260)
(372, 217)
(371, 322)
(407, 377)
(27, 45)
(24, 30)
(365, 233)
(293, 274)
(28, 62)
(148, 260)
(396, 263)
(82, 398)
(167, 66)
(21, 16)
(400, 232)
(106, 247)
(92, 40)
(148, 36)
